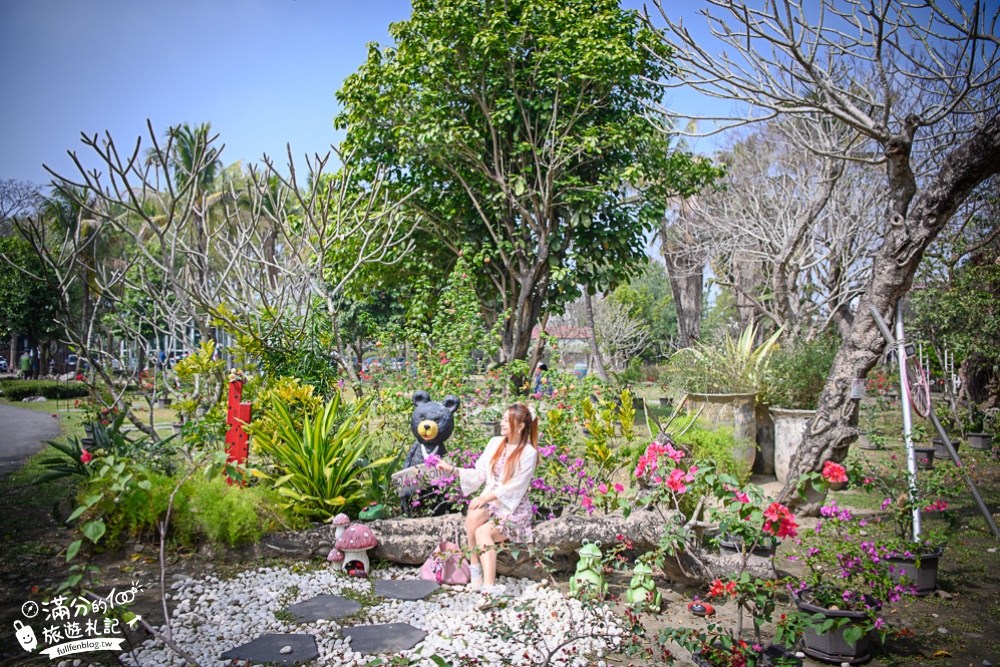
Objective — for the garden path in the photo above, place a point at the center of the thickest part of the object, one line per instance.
(21, 434)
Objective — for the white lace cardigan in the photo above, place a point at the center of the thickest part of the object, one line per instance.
(508, 494)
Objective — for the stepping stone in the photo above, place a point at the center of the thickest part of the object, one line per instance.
(405, 589)
(267, 649)
(390, 638)
(323, 606)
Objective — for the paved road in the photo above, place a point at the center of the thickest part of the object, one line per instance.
(21, 434)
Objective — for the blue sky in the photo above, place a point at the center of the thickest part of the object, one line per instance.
(262, 72)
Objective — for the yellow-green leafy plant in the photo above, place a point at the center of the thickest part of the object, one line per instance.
(206, 374)
(299, 399)
(611, 440)
(734, 366)
(319, 473)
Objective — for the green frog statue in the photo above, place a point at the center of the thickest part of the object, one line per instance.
(588, 578)
(642, 591)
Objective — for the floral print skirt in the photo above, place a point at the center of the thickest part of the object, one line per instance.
(516, 525)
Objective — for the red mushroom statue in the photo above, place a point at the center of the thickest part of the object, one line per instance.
(355, 542)
(340, 524)
(336, 557)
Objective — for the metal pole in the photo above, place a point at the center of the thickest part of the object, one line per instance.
(904, 394)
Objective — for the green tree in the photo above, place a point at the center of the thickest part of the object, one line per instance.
(523, 124)
(30, 305)
(648, 298)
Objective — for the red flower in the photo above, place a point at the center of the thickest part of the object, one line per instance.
(718, 588)
(780, 521)
(85, 456)
(834, 472)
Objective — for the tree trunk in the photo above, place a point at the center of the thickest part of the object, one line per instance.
(909, 232)
(686, 280)
(592, 337)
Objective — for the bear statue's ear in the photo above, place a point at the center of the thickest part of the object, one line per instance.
(420, 397)
(451, 403)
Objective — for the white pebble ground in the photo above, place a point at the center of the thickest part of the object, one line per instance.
(211, 616)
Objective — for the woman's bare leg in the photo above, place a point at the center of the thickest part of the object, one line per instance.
(487, 536)
(473, 521)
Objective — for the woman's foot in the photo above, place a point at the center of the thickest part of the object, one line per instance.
(476, 576)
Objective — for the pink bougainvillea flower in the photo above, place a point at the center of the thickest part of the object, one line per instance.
(741, 496)
(619, 488)
(602, 488)
(588, 504)
(834, 472)
(432, 460)
(676, 481)
(780, 521)
(85, 456)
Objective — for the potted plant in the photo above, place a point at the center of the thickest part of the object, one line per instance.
(913, 562)
(748, 522)
(974, 424)
(846, 583)
(724, 383)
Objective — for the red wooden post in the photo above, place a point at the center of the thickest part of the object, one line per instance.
(238, 414)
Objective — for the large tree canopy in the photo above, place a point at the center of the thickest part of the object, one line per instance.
(29, 305)
(523, 123)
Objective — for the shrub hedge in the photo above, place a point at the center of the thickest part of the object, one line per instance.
(16, 390)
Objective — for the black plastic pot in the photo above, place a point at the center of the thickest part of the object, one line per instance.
(768, 657)
(924, 576)
(729, 545)
(831, 646)
(925, 457)
(666, 402)
(980, 440)
(637, 404)
(940, 451)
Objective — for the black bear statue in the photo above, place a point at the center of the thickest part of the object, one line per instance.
(431, 424)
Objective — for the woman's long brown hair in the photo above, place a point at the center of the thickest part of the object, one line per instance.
(516, 414)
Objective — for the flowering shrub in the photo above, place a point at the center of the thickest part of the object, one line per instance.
(846, 570)
(890, 482)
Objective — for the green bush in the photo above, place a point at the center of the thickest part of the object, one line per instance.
(734, 366)
(716, 445)
(798, 372)
(212, 510)
(17, 390)
(232, 515)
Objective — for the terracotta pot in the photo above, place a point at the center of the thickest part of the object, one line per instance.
(980, 440)
(789, 429)
(923, 576)
(831, 646)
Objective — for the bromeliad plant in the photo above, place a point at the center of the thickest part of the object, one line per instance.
(318, 467)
